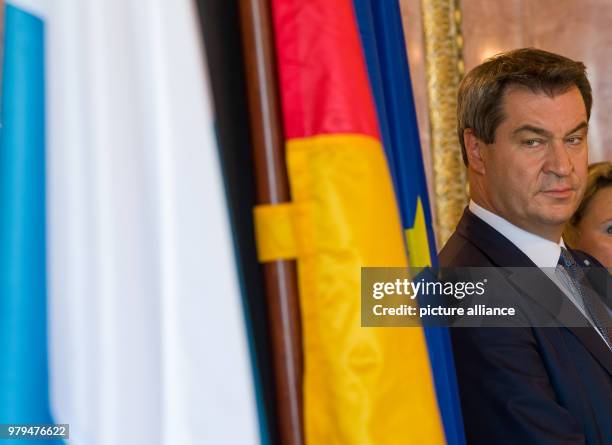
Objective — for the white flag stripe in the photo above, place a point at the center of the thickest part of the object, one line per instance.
(148, 343)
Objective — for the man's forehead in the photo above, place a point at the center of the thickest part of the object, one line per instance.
(523, 106)
(517, 95)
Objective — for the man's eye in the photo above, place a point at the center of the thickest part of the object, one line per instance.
(608, 230)
(531, 142)
(574, 140)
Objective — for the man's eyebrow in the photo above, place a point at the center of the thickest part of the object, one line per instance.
(533, 129)
(547, 133)
(580, 126)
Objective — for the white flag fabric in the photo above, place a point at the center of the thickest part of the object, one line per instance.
(147, 339)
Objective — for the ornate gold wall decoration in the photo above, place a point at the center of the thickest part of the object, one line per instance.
(444, 67)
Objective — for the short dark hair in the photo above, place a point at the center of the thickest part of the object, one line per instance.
(481, 92)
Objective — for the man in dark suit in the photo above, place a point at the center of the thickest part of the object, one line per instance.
(522, 123)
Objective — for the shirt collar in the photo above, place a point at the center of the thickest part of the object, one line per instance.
(543, 252)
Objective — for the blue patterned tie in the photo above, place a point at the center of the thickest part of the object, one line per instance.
(592, 303)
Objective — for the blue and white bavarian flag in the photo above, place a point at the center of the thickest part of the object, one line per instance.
(120, 305)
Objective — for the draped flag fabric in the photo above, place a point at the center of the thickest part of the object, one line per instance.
(361, 385)
(24, 395)
(382, 36)
(120, 304)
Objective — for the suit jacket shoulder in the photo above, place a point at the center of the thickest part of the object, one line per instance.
(526, 385)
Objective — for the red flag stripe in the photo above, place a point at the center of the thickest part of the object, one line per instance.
(323, 77)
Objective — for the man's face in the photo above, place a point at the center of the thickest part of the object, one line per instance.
(535, 171)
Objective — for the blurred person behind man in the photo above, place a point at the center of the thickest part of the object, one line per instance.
(590, 228)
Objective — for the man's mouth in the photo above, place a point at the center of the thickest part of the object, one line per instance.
(559, 192)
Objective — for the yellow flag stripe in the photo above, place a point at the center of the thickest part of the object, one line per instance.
(361, 385)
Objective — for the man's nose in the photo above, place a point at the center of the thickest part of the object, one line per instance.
(558, 159)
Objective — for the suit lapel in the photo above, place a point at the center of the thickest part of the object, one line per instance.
(566, 314)
(502, 253)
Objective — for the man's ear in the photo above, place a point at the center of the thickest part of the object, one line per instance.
(473, 148)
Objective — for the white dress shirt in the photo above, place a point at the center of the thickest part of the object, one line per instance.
(544, 253)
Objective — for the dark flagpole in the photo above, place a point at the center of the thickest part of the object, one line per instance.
(273, 188)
